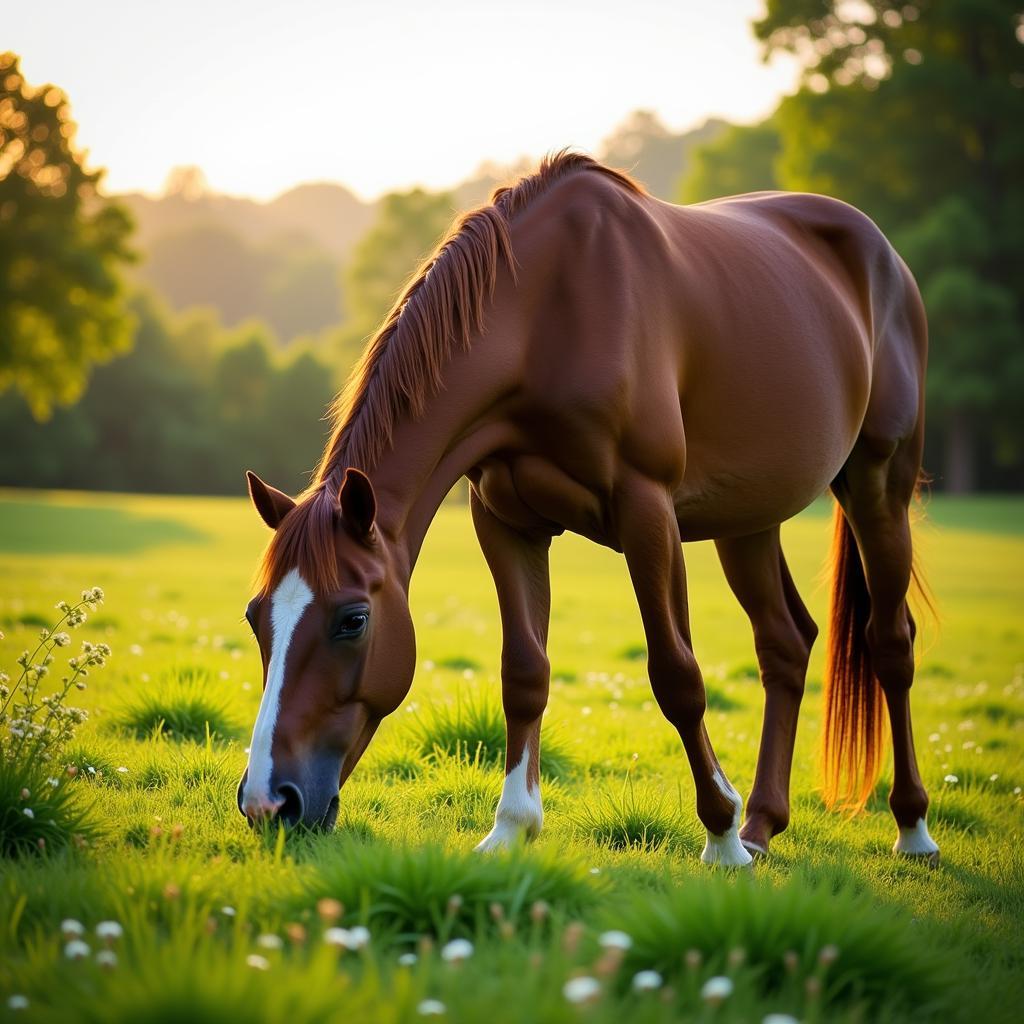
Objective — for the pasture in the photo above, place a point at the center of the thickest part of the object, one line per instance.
(221, 923)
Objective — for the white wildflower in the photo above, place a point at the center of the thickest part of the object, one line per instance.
(17, 1002)
(716, 990)
(431, 1008)
(257, 962)
(615, 940)
(780, 1018)
(28, 812)
(646, 981)
(107, 959)
(269, 941)
(76, 949)
(407, 959)
(457, 950)
(109, 931)
(951, 779)
(581, 990)
(72, 929)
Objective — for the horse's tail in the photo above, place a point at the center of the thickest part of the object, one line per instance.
(853, 719)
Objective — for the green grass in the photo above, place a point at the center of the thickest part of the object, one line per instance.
(168, 851)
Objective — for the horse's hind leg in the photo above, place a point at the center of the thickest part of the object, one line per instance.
(649, 536)
(875, 490)
(784, 633)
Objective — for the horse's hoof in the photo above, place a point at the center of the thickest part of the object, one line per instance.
(754, 849)
(914, 842)
(930, 859)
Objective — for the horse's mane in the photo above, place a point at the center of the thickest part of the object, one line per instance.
(439, 310)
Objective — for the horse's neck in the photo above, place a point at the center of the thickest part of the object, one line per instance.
(459, 427)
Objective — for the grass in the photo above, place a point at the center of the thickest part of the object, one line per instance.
(620, 844)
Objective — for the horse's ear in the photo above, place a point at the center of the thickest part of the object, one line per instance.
(358, 502)
(273, 505)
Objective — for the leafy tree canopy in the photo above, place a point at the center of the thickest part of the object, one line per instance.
(61, 250)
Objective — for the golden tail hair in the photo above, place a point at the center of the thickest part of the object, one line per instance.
(854, 714)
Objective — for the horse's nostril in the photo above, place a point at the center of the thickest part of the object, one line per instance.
(290, 811)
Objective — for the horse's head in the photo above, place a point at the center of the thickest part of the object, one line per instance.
(333, 625)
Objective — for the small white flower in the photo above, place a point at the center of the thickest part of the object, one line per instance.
(107, 959)
(951, 779)
(581, 990)
(347, 938)
(17, 1002)
(431, 1008)
(28, 812)
(53, 782)
(72, 929)
(269, 941)
(780, 1018)
(109, 931)
(228, 911)
(646, 981)
(615, 940)
(257, 962)
(121, 770)
(716, 990)
(336, 937)
(76, 949)
(457, 950)
(407, 959)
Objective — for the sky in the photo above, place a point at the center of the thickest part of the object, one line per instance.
(379, 95)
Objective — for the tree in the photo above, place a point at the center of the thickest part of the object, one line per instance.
(915, 113)
(61, 250)
(408, 227)
(741, 159)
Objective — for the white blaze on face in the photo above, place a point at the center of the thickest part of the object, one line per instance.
(290, 599)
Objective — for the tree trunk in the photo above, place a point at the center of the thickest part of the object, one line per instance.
(960, 460)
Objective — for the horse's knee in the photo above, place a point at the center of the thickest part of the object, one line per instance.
(525, 675)
(783, 653)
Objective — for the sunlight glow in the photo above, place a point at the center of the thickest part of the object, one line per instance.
(265, 95)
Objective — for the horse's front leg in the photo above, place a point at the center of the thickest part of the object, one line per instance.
(649, 537)
(519, 565)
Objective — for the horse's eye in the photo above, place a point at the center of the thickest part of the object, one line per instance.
(351, 624)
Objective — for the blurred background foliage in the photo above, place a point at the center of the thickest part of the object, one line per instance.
(220, 348)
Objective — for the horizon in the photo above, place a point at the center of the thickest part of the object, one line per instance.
(224, 93)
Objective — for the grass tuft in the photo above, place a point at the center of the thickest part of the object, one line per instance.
(183, 705)
(636, 819)
(739, 923)
(407, 892)
(473, 729)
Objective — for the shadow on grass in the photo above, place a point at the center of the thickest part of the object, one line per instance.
(40, 527)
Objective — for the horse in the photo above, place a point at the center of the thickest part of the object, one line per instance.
(641, 374)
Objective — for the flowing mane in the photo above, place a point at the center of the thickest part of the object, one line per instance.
(438, 311)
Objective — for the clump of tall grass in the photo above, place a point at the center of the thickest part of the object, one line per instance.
(184, 705)
(473, 728)
(633, 818)
(858, 953)
(408, 892)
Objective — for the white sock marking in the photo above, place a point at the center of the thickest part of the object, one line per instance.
(519, 809)
(727, 849)
(288, 602)
(915, 841)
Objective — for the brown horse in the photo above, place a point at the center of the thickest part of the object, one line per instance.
(598, 361)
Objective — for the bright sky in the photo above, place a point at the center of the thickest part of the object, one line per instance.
(379, 95)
